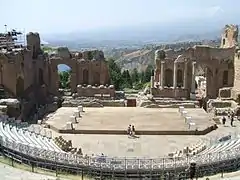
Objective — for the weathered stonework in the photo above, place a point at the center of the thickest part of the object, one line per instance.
(84, 71)
(28, 73)
(96, 91)
(175, 71)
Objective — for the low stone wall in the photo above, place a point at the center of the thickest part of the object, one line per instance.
(225, 92)
(96, 91)
(186, 105)
(92, 102)
(170, 92)
(11, 107)
(115, 103)
(168, 103)
(222, 107)
(221, 111)
(139, 132)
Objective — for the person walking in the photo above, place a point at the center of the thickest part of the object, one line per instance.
(129, 130)
(133, 130)
(232, 119)
(224, 120)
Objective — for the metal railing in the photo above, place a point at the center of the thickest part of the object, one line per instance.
(207, 163)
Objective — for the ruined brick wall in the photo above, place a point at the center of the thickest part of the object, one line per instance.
(92, 71)
(20, 67)
(215, 62)
(33, 44)
(236, 86)
(229, 36)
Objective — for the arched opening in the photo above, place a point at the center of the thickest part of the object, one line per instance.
(224, 41)
(96, 78)
(64, 72)
(168, 77)
(225, 78)
(179, 78)
(85, 76)
(19, 86)
(40, 77)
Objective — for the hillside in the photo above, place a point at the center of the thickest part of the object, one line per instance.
(141, 58)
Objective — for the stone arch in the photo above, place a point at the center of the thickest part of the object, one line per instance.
(64, 76)
(168, 77)
(40, 76)
(225, 78)
(85, 76)
(19, 86)
(179, 78)
(96, 78)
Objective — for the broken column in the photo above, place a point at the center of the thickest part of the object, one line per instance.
(193, 93)
(162, 74)
(185, 76)
(175, 75)
(181, 109)
(69, 126)
(80, 108)
(77, 113)
(152, 81)
(73, 119)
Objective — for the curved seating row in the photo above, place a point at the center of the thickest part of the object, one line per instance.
(23, 136)
(36, 145)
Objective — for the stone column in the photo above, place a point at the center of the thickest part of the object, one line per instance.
(152, 81)
(162, 74)
(159, 80)
(193, 95)
(185, 76)
(175, 75)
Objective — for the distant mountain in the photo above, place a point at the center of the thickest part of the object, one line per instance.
(191, 30)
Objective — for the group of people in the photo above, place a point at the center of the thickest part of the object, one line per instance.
(131, 130)
(230, 116)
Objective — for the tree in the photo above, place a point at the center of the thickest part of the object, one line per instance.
(142, 77)
(127, 81)
(135, 76)
(148, 73)
(115, 73)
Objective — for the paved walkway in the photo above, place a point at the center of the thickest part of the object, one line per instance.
(10, 173)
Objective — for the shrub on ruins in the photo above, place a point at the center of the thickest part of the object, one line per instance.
(64, 79)
(48, 49)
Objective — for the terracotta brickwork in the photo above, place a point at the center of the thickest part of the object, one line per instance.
(25, 69)
(84, 71)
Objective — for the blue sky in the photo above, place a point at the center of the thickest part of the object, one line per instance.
(71, 15)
